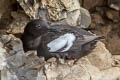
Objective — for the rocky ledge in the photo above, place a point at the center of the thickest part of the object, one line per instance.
(17, 65)
(99, 64)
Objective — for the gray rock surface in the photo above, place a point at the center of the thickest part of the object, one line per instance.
(100, 57)
(5, 8)
(12, 58)
(115, 4)
(85, 18)
(116, 61)
(16, 65)
(111, 73)
(88, 4)
(113, 15)
(67, 71)
(98, 65)
(20, 20)
(57, 12)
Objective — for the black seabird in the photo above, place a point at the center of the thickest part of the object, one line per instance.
(70, 43)
(33, 31)
(59, 41)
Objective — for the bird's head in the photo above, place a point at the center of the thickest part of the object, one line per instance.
(39, 27)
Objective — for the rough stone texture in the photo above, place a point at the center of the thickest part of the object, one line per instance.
(5, 8)
(98, 65)
(116, 61)
(112, 36)
(111, 73)
(71, 72)
(113, 15)
(100, 57)
(96, 19)
(88, 4)
(71, 5)
(73, 17)
(2, 59)
(115, 4)
(57, 12)
(12, 56)
(112, 42)
(85, 18)
(16, 65)
(20, 20)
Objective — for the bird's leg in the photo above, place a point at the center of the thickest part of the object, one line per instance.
(56, 55)
(64, 55)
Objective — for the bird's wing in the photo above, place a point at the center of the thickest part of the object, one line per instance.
(68, 46)
(56, 44)
(88, 39)
(84, 41)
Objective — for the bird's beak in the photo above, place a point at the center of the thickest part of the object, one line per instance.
(54, 30)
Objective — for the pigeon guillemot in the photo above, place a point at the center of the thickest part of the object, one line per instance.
(33, 31)
(70, 43)
(61, 41)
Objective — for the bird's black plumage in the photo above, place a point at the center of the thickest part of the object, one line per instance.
(31, 37)
(83, 44)
(37, 35)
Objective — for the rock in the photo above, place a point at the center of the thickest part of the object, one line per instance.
(55, 15)
(20, 20)
(29, 7)
(97, 18)
(116, 61)
(71, 5)
(10, 58)
(41, 75)
(5, 8)
(85, 18)
(4, 39)
(60, 5)
(115, 4)
(88, 4)
(73, 17)
(14, 50)
(15, 64)
(5, 19)
(111, 73)
(113, 15)
(81, 2)
(76, 71)
(66, 12)
(100, 56)
(2, 58)
(62, 10)
(55, 6)
(118, 78)
(113, 38)
(13, 60)
(6, 75)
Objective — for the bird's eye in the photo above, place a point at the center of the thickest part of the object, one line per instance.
(38, 26)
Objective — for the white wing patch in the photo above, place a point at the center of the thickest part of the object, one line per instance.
(62, 41)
